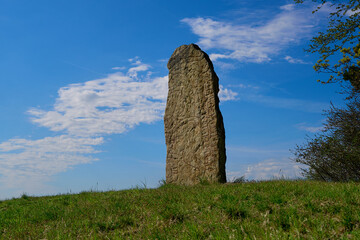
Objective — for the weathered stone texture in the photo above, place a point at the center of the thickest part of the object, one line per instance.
(194, 128)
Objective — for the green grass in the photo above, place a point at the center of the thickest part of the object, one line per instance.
(252, 210)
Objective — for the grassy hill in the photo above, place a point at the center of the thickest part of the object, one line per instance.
(254, 210)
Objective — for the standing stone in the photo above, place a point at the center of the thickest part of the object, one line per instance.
(194, 128)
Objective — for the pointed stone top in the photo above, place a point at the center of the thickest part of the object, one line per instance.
(185, 51)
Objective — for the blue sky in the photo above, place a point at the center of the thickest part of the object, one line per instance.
(84, 85)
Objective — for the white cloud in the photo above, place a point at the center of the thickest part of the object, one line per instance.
(274, 168)
(164, 60)
(134, 60)
(288, 7)
(118, 68)
(244, 86)
(226, 94)
(253, 43)
(295, 60)
(270, 169)
(312, 129)
(61, 143)
(225, 66)
(255, 94)
(105, 106)
(286, 103)
(352, 12)
(140, 67)
(28, 164)
(246, 149)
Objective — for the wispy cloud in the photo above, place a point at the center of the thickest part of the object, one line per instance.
(226, 94)
(246, 149)
(84, 68)
(274, 168)
(225, 66)
(270, 169)
(118, 68)
(30, 163)
(311, 129)
(288, 7)
(295, 60)
(139, 67)
(352, 12)
(256, 42)
(243, 86)
(105, 106)
(286, 103)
